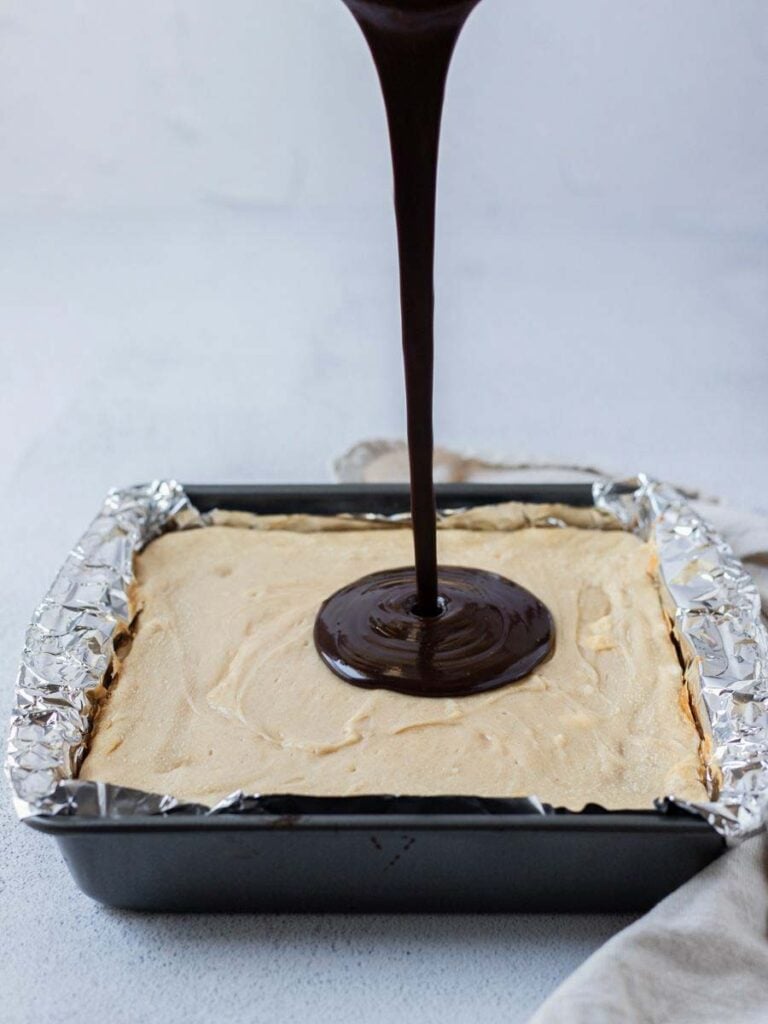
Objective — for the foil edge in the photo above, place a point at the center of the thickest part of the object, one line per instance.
(69, 649)
(715, 608)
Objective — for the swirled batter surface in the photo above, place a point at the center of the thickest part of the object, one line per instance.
(222, 688)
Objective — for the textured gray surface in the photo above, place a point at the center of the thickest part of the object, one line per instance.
(181, 296)
(115, 345)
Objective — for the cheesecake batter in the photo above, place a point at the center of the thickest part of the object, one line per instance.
(221, 688)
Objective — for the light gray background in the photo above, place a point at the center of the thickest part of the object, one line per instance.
(198, 280)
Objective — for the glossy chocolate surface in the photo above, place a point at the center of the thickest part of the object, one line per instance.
(489, 632)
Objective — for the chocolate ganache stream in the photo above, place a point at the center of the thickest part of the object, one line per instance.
(427, 632)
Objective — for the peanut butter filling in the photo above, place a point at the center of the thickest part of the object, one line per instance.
(222, 690)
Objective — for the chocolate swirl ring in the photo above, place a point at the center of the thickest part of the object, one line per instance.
(489, 632)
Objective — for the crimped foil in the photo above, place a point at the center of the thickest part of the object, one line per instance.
(68, 652)
(714, 607)
(711, 601)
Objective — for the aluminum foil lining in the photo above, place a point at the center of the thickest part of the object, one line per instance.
(710, 598)
(714, 607)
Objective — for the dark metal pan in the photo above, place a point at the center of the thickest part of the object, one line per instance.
(384, 853)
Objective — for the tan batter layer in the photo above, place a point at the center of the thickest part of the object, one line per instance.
(222, 689)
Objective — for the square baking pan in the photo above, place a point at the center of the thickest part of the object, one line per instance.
(384, 853)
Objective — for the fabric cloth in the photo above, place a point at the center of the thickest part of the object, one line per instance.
(701, 955)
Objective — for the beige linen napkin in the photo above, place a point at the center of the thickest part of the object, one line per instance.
(701, 955)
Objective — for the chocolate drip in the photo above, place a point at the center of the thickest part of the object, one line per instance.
(412, 44)
(462, 631)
